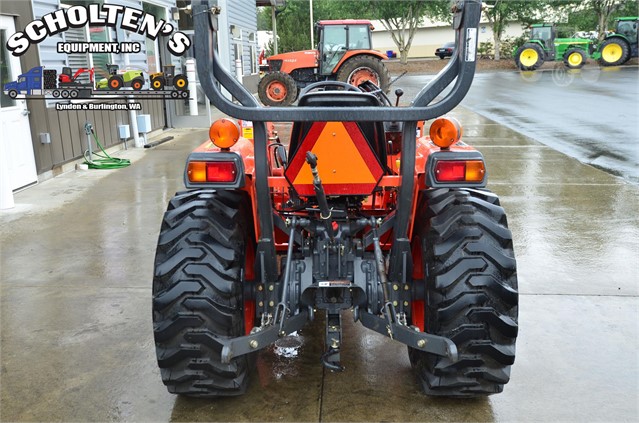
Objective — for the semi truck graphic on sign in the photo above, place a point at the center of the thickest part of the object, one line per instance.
(46, 83)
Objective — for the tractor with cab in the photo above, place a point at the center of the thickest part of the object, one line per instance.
(344, 53)
(160, 80)
(117, 79)
(366, 213)
(544, 45)
(620, 46)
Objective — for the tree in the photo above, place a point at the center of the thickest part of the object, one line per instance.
(499, 12)
(604, 10)
(400, 18)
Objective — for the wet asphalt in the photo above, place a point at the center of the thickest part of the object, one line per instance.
(76, 263)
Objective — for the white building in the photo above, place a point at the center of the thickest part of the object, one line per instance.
(432, 35)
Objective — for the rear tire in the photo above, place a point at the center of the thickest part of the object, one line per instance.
(360, 68)
(614, 52)
(574, 58)
(529, 57)
(198, 291)
(466, 251)
(277, 89)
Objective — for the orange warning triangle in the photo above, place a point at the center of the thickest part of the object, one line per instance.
(339, 160)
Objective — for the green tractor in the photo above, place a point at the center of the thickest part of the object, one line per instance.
(544, 45)
(117, 79)
(618, 47)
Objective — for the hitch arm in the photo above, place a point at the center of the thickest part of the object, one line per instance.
(413, 338)
(235, 347)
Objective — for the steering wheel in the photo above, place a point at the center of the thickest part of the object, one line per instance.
(329, 86)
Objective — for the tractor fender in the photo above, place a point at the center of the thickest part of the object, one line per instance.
(619, 37)
(352, 53)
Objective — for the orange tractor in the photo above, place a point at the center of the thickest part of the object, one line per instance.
(364, 215)
(345, 54)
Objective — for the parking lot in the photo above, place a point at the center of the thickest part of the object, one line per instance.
(76, 267)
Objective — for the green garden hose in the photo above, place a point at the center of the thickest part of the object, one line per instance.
(105, 161)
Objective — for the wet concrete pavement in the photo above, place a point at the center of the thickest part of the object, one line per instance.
(76, 264)
(590, 114)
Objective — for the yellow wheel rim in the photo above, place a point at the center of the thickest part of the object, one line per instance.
(156, 84)
(612, 52)
(574, 59)
(181, 83)
(528, 57)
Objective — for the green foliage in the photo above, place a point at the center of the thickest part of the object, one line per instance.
(486, 50)
(510, 44)
(399, 17)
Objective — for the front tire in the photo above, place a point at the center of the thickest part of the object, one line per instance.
(277, 89)
(157, 83)
(529, 57)
(574, 58)
(463, 244)
(359, 69)
(198, 291)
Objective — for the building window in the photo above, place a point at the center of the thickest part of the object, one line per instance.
(96, 34)
(236, 32)
(6, 73)
(152, 50)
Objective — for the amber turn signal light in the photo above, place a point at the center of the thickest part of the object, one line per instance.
(224, 133)
(201, 172)
(445, 131)
(460, 171)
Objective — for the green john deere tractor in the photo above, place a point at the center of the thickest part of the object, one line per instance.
(618, 47)
(544, 45)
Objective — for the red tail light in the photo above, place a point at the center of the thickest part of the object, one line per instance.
(220, 172)
(460, 171)
(450, 171)
(212, 172)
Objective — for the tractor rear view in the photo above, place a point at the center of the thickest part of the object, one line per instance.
(359, 217)
(345, 54)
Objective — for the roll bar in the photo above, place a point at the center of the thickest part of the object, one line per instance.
(213, 76)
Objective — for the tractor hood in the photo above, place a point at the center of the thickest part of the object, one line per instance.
(288, 62)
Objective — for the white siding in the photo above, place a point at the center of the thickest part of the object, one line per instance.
(433, 35)
(243, 14)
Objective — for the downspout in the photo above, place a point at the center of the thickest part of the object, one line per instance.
(133, 117)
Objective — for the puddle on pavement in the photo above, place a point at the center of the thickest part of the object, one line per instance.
(283, 355)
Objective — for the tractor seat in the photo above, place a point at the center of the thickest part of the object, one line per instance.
(373, 131)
